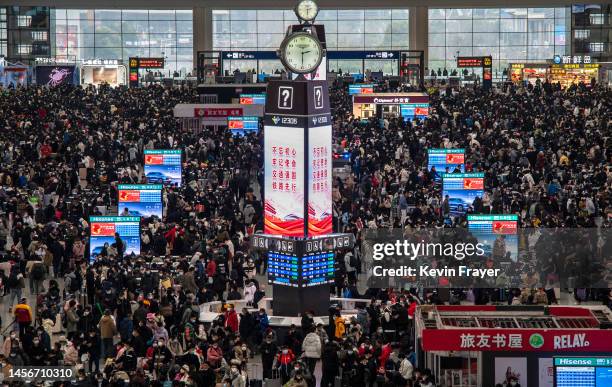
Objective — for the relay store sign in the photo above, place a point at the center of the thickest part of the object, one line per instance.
(557, 340)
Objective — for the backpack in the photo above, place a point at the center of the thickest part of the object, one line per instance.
(12, 281)
(38, 272)
(353, 260)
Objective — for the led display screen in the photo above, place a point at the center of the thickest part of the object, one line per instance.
(462, 189)
(252, 99)
(445, 161)
(283, 269)
(497, 233)
(163, 166)
(410, 111)
(284, 181)
(56, 75)
(361, 89)
(319, 181)
(143, 200)
(317, 269)
(102, 231)
(241, 126)
(583, 372)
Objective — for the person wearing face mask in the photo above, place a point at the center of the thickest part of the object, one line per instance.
(37, 352)
(161, 357)
(268, 350)
(214, 355)
(91, 346)
(283, 361)
(10, 341)
(297, 380)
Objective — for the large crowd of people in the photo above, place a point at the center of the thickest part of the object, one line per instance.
(121, 319)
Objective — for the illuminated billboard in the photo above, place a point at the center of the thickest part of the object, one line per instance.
(102, 231)
(410, 111)
(143, 200)
(284, 181)
(462, 189)
(317, 269)
(361, 89)
(241, 126)
(283, 269)
(252, 99)
(583, 371)
(445, 161)
(319, 180)
(163, 166)
(497, 233)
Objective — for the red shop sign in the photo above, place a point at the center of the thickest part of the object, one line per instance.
(540, 340)
(217, 112)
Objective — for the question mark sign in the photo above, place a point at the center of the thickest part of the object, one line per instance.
(318, 95)
(285, 94)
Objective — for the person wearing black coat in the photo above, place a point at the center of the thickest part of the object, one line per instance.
(268, 350)
(331, 364)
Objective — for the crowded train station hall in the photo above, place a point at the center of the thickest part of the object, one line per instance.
(306, 193)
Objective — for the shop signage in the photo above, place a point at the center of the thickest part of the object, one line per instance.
(560, 340)
(217, 112)
(100, 62)
(390, 99)
(572, 59)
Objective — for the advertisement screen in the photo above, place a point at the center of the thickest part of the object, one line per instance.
(497, 233)
(445, 161)
(163, 166)
(583, 372)
(462, 189)
(284, 181)
(252, 99)
(283, 269)
(318, 269)
(14, 76)
(241, 126)
(361, 89)
(319, 181)
(410, 111)
(56, 75)
(143, 200)
(102, 232)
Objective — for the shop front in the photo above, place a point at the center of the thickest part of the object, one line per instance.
(103, 71)
(469, 346)
(564, 74)
(386, 105)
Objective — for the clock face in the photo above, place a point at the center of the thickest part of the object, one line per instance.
(302, 53)
(307, 10)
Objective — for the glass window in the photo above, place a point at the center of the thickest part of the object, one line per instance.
(458, 26)
(513, 13)
(244, 40)
(107, 26)
(541, 38)
(269, 26)
(270, 40)
(486, 25)
(133, 14)
(436, 13)
(350, 14)
(458, 13)
(400, 14)
(399, 26)
(377, 26)
(513, 25)
(80, 14)
(541, 13)
(437, 26)
(540, 52)
(437, 40)
(221, 26)
(325, 14)
(486, 39)
(331, 27)
(135, 26)
(377, 14)
(541, 25)
(377, 41)
(108, 53)
(184, 26)
(457, 39)
(512, 39)
(436, 53)
(159, 26)
(350, 41)
(485, 13)
(184, 14)
(165, 14)
(400, 41)
(269, 14)
(243, 14)
(356, 27)
(107, 14)
(107, 40)
(220, 14)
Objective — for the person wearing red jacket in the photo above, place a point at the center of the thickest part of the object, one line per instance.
(283, 362)
(231, 318)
